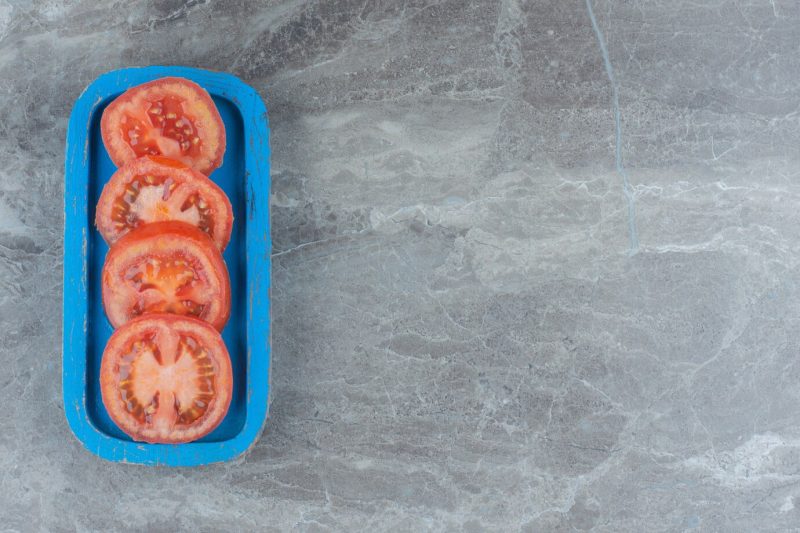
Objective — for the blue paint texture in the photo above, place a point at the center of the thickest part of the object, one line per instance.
(244, 176)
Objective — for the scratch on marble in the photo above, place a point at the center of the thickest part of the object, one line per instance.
(626, 187)
(389, 396)
(714, 152)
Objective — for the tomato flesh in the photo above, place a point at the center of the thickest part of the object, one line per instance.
(167, 130)
(173, 117)
(167, 285)
(152, 189)
(145, 371)
(166, 378)
(166, 267)
(146, 198)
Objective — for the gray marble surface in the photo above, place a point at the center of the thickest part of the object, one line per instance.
(531, 273)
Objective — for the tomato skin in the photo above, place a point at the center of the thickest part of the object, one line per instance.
(120, 298)
(186, 180)
(197, 105)
(112, 378)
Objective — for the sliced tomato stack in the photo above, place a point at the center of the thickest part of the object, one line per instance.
(166, 267)
(173, 117)
(166, 374)
(166, 378)
(154, 189)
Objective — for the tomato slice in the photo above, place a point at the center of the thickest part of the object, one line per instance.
(154, 188)
(166, 379)
(166, 267)
(173, 117)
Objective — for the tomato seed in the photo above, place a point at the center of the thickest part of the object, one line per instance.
(168, 186)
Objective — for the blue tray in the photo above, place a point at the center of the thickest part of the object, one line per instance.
(244, 176)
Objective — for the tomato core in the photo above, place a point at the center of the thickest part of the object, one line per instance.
(144, 372)
(146, 197)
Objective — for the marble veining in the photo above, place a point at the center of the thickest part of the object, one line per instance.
(535, 265)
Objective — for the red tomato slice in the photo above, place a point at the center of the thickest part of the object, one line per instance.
(173, 117)
(166, 267)
(153, 189)
(166, 379)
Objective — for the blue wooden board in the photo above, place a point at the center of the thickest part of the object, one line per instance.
(244, 176)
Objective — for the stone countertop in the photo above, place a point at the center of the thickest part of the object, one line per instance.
(535, 265)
